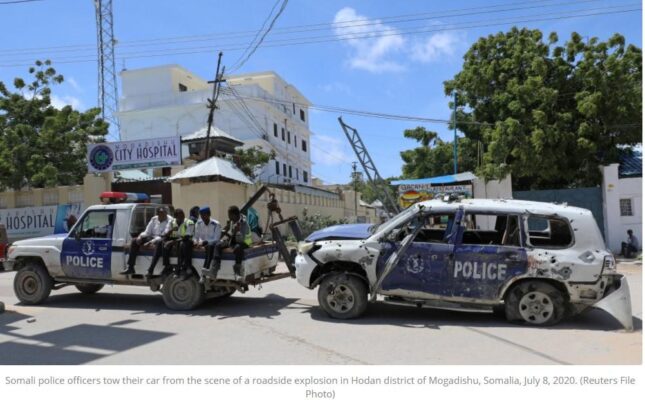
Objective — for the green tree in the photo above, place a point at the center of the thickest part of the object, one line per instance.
(549, 114)
(426, 161)
(40, 145)
(252, 159)
(367, 191)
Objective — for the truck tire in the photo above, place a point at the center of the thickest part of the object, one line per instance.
(89, 288)
(182, 295)
(535, 303)
(32, 284)
(343, 296)
(224, 294)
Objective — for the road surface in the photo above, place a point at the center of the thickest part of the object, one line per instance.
(282, 324)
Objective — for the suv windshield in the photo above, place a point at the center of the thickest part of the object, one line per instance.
(396, 221)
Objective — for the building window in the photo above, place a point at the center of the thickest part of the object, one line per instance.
(275, 130)
(304, 146)
(182, 88)
(290, 172)
(284, 169)
(282, 130)
(295, 141)
(297, 174)
(289, 137)
(302, 115)
(294, 108)
(305, 176)
(277, 167)
(626, 208)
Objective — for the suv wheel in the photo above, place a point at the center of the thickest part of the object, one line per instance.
(535, 303)
(343, 296)
(32, 284)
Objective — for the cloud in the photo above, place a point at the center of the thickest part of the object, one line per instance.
(370, 50)
(72, 82)
(336, 87)
(329, 151)
(60, 102)
(435, 47)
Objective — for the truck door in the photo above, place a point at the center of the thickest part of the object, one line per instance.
(426, 265)
(87, 251)
(488, 253)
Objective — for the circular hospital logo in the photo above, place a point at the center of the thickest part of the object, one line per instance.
(88, 248)
(101, 157)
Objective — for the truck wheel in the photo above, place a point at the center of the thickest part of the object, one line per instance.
(535, 303)
(182, 295)
(89, 288)
(32, 284)
(343, 296)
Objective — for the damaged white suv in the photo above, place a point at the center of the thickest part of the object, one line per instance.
(534, 262)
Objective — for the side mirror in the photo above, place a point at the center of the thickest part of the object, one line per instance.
(77, 235)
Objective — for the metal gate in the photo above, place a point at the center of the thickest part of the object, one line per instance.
(589, 198)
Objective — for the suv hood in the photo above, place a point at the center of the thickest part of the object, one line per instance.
(340, 232)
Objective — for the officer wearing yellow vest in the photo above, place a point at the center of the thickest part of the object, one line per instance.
(239, 234)
(180, 232)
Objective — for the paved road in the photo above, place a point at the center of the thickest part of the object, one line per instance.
(281, 324)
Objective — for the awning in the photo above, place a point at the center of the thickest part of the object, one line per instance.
(130, 175)
(214, 166)
(216, 133)
(438, 180)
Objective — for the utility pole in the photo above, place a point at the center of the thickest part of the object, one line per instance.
(212, 105)
(354, 179)
(454, 123)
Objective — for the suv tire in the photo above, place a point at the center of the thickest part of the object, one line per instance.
(535, 303)
(343, 296)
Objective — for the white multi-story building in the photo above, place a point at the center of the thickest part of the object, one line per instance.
(259, 109)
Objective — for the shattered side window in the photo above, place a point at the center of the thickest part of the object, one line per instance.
(491, 229)
(551, 232)
(436, 229)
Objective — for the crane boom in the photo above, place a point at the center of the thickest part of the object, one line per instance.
(372, 173)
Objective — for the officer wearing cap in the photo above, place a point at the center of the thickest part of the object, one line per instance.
(207, 234)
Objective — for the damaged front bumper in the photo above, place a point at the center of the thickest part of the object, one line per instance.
(617, 302)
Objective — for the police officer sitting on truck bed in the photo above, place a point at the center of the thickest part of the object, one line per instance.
(180, 232)
(152, 235)
(207, 235)
(239, 233)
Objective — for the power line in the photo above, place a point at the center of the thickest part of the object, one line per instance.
(239, 65)
(335, 38)
(353, 36)
(296, 28)
(256, 35)
(17, 2)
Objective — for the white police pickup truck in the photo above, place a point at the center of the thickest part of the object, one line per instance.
(534, 262)
(96, 250)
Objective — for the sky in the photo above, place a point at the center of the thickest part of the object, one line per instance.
(406, 51)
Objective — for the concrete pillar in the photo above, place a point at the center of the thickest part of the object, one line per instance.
(94, 185)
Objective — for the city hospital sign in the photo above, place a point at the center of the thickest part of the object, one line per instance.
(148, 153)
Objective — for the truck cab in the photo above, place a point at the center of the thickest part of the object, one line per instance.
(96, 248)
